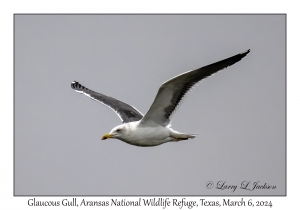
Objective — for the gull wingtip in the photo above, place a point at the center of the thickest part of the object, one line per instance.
(76, 85)
(246, 52)
(243, 54)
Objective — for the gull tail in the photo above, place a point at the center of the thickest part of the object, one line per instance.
(185, 136)
(181, 136)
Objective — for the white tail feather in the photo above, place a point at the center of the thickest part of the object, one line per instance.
(178, 135)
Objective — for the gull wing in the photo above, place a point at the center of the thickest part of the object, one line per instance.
(172, 91)
(126, 112)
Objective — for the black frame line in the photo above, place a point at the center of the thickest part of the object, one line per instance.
(14, 15)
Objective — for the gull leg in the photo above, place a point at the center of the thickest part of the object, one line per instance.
(180, 139)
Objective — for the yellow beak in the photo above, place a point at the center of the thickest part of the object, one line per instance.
(107, 136)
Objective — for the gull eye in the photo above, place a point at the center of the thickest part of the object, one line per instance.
(118, 130)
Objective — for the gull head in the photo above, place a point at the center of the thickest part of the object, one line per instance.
(115, 133)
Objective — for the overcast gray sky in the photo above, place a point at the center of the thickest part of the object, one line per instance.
(238, 113)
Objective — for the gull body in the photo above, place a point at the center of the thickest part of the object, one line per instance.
(154, 127)
(135, 133)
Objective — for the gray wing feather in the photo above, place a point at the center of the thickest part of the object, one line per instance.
(126, 112)
(172, 91)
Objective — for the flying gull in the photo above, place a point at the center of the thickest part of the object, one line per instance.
(154, 127)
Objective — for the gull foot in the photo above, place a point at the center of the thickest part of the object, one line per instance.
(179, 139)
